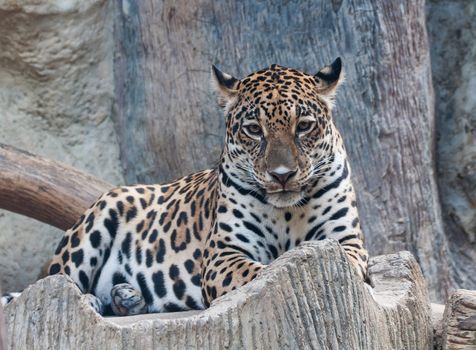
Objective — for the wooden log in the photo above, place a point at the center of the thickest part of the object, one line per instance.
(384, 109)
(459, 321)
(45, 190)
(308, 298)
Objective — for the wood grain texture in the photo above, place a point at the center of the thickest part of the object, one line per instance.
(309, 298)
(169, 124)
(459, 321)
(45, 190)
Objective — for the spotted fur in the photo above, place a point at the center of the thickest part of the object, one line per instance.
(283, 178)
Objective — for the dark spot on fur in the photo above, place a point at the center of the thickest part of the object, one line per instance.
(339, 214)
(126, 245)
(118, 278)
(159, 284)
(139, 255)
(225, 227)
(174, 271)
(196, 279)
(77, 257)
(148, 258)
(197, 254)
(339, 229)
(75, 241)
(159, 257)
(65, 257)
(141, 280)
(89, 222)
(55, 268)
(95, 239)
(242, 238)
(227, 280)
(253, 228)
(238, 214)
(112, 223)
(140, 226)
(131, 214)
(172, 307)
(189, 265)
(179, 289)
(63, 243)
(191, 303)
(83, 278)
(153, 236)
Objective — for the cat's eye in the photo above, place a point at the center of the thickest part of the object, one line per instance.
(304, 126)
(253, 130)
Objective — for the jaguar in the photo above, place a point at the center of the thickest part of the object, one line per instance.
(283, 178)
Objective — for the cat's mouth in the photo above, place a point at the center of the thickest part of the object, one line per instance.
(283, 198)
(274, 188)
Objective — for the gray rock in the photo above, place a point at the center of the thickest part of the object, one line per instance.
(55, 101)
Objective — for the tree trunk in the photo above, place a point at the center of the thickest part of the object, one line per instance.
(169, 124)
(452, 33)
(45, 190)
(307, 298)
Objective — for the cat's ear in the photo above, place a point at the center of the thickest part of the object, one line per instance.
(225, 85)
(329, 78)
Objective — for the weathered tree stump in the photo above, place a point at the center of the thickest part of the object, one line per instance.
(459, 321)
(307, 298)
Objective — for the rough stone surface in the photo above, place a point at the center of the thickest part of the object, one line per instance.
(308, 298)
(452, 34)
(55, 101)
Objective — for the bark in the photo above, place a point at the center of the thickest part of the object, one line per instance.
(45, 190)
(459, 321)
(168, 123)
(307, 298)
(454, 50)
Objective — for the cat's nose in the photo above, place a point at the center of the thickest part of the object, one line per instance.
(282, 174)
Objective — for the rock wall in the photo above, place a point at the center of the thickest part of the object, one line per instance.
(55, 100)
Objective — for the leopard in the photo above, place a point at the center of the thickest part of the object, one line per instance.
(283, 178)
